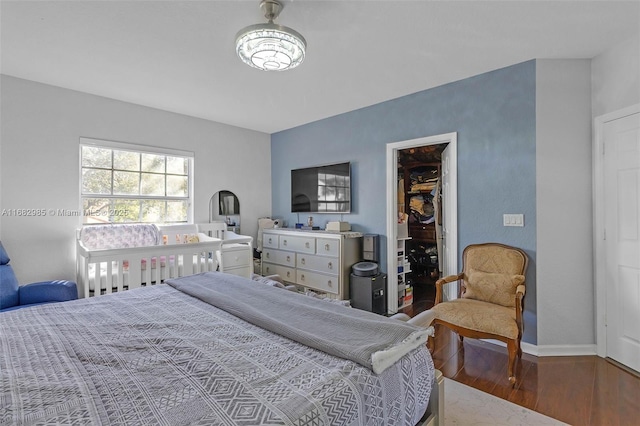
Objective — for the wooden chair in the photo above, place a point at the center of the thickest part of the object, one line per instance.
(491, 290)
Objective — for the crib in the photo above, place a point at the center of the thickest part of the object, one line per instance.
(113, 258)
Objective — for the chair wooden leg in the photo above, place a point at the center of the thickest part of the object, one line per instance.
(513, 348)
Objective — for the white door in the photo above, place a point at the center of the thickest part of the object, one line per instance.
(446, 207)
(621, 140)
(449, 219)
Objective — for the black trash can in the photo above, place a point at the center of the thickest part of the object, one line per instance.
(368, 288)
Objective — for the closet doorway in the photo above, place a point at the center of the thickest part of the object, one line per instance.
(419, 172)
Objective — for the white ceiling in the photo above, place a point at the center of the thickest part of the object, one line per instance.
(179, 55)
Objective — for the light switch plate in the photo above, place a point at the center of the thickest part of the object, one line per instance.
(513, 219)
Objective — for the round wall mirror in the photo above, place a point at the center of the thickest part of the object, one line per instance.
(225, 206)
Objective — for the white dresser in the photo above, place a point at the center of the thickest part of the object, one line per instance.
(236, 259)
(317, 260)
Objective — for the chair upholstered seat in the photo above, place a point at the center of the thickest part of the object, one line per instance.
(479, 316)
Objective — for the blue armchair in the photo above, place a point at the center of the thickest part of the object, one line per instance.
(14, 296)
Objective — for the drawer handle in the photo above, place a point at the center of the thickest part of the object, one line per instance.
(267, 255)
(284, 242)
(330, 283)
(307, 244)
(330, 265)
(302, 277)
(288, 274)
(303, 261)
(288, 258)
(270, 241)
(326, 247)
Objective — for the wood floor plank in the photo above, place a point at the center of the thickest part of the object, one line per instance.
(629, 397)
(487, 367)
(580, 390)
(526, 390)
(448, 360)
(604, 407)
(554, 387)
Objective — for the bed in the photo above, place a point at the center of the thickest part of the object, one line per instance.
(212, 349)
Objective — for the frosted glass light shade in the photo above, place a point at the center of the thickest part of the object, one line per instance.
(270, 47)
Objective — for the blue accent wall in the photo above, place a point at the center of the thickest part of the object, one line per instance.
(494, 115)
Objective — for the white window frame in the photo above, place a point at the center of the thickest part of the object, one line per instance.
(146, 149)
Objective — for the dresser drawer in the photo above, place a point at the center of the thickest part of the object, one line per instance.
(323, 264)
(423, 232)
(236, 256)
(318, 281)
(269, 240)
(327, 247)
(285, 258)
(287, 274)
(241, 271)
(299, 244)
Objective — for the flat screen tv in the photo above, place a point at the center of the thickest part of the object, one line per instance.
(321, 189)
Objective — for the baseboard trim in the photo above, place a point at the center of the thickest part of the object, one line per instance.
(566, 350)
(551, 350)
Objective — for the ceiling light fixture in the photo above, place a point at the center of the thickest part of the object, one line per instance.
(269, 46)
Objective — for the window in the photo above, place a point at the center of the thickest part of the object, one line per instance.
(132, 183)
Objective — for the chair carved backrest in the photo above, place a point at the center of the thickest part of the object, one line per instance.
(495, 257)
(490, 261)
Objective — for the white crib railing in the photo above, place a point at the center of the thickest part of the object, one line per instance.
(103, 271)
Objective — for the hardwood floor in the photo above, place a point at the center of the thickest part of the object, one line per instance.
(579, 390)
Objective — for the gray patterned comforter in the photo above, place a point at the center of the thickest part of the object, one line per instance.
(158, 356)
(370, 340)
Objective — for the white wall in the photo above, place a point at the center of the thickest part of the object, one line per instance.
(615, 77)
(41, 127)
(564, 110)
(563, 203)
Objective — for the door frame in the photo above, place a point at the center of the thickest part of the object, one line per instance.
(599, 249)
(392, 211)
